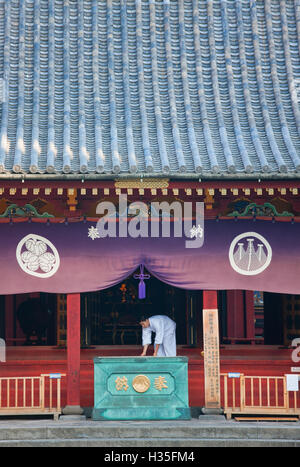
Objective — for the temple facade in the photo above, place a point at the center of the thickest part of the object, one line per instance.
(159, 105)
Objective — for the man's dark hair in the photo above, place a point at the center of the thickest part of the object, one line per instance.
(143, 317)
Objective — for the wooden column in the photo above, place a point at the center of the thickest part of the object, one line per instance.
(235, 314)
(240, 315)
(73, 356)
(9, 319)
(211, 353)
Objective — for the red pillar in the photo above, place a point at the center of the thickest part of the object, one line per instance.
(210, 300)
(73, 356)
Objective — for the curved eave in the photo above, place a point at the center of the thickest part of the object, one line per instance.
(144, 176)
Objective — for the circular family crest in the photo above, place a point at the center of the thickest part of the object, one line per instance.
(141, 383)
(37, 256)
(250, 254)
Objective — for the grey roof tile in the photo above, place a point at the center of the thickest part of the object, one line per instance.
(207, 87)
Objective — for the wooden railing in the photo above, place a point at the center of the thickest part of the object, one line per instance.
(31, 395)
(230, 393)
(258, 395)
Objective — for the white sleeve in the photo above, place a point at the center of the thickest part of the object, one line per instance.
(147, 336)
(159, 331)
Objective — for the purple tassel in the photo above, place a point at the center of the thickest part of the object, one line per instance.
(142, 285)
(142, 289)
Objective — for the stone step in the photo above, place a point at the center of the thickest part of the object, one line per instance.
(149, 434)
(176, 443)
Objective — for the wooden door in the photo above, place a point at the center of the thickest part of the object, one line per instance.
(61, 330)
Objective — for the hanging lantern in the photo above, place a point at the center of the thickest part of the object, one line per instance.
(142, 285)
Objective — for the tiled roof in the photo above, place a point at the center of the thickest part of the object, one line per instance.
(207, 87)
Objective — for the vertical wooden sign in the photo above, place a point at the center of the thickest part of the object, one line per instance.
(211, 359)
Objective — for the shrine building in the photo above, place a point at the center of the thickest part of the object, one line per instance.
(158, 104)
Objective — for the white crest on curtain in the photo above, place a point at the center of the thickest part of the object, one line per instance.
(250, 254)
(37, 256)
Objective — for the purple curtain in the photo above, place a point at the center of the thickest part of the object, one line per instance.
(61, 258)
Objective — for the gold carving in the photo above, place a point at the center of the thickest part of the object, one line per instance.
(160, 383)
(72, 200)
(209, 198)
(145, 183)
(121, 383)
(141, 383)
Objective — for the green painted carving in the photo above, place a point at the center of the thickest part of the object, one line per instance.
(266, 209)
(24, 211)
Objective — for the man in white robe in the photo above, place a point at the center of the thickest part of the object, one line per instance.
(165, 335)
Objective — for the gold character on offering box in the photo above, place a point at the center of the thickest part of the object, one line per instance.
(160, 383)
(121, 383)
